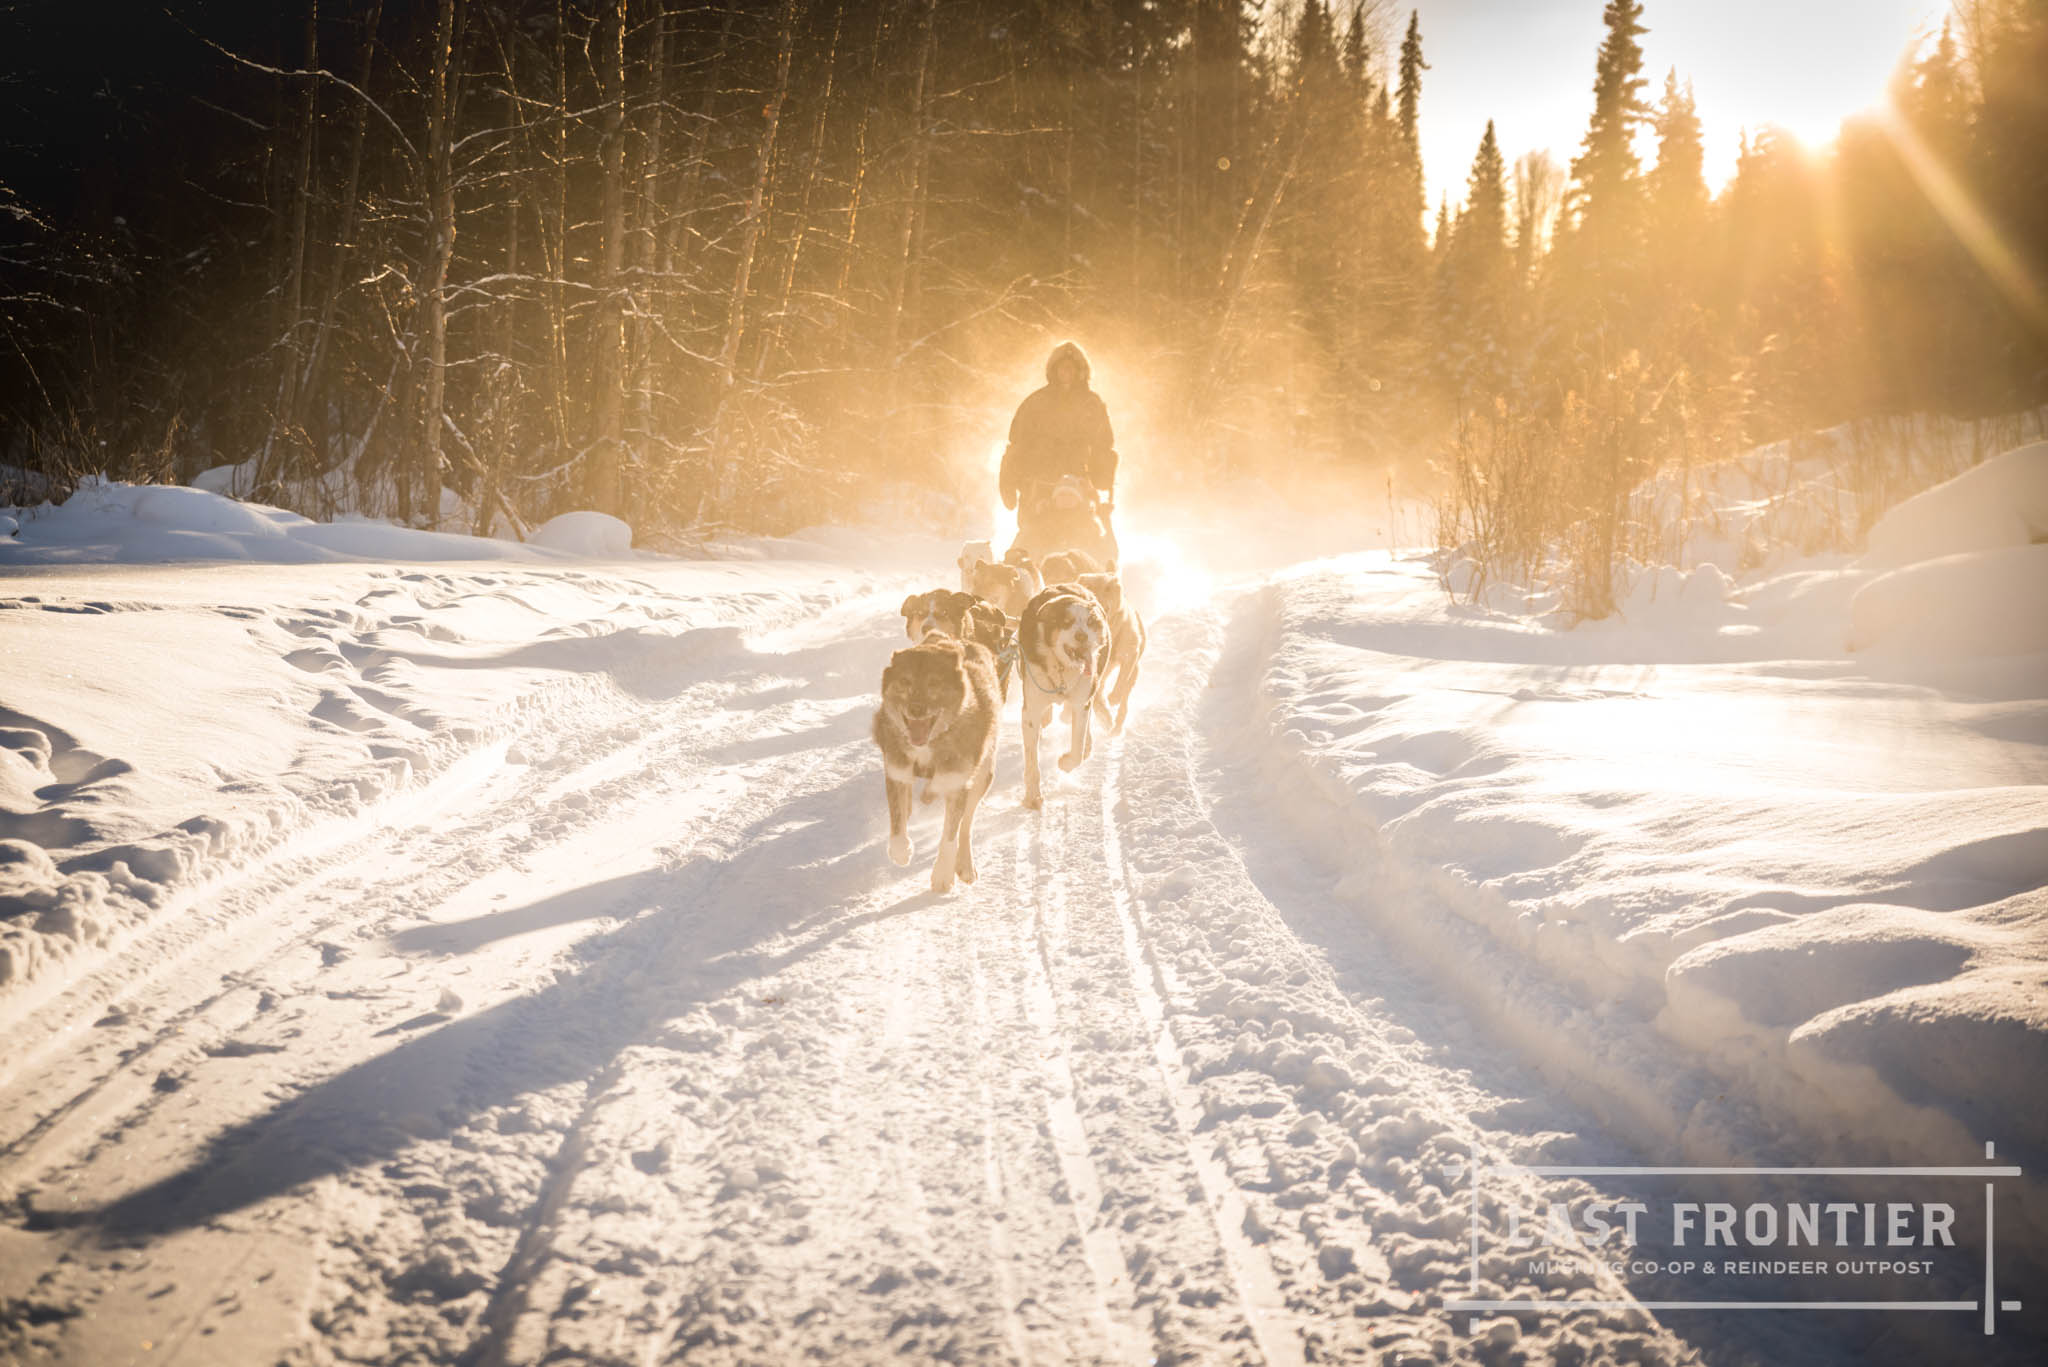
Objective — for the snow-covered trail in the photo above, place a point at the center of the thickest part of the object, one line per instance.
(621, 1042)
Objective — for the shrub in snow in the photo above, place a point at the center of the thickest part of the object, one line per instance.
(584, 533)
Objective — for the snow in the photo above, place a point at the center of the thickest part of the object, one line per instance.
(105, 522)
(1976, 603)
(584, 533)
(2002, 502)
(422, 948)
(1660, 822)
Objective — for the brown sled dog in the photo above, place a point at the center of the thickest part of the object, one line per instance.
(937, 722)
(1126, 647)
(966, 618)
(1067, 567)
(1009, 585)
(1062, 647)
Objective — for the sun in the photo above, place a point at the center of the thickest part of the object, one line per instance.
(1814, 132)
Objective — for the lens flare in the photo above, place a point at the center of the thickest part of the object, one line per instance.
(1159, 576)
(1002, 523)
(1972, 227)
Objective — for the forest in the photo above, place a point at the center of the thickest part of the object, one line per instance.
(710, 266)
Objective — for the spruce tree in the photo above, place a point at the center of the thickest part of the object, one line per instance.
(1409, 201)
(1477, 280)
(1937, 100)
(1411, 198)
(1604, 173)
(1676, 330)
(1486, 199)
(1410, 92)
(1358, 55)
(1322, 184)
(1392, 311)
(1675, 209)
(1600, 264)
(1677, 186)
(1314, 39)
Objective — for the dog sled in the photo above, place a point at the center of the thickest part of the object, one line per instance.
(1065, 515)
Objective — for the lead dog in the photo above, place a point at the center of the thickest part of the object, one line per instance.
(1126, 647)
(937, 722)
(1062, 647)
(968, 618)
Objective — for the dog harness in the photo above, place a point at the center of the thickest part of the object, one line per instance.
(1044, 687)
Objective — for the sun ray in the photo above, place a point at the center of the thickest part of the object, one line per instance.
(1968, 221)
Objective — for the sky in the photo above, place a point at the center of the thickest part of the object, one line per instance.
(1528, 65)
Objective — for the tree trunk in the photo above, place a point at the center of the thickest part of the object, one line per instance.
(440, 248)
(337, 276)
(903, 295)
(608, 451)
(650, 207)
(493, 456)
(700, 140)
(773, 343)
(291, 312)
(757, 203)
(1244, 244)
(555, 250)
(860, 174)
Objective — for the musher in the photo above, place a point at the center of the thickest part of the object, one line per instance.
(1059, 469)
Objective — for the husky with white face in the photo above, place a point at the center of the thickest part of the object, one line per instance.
(1062, 649)
(972, 554)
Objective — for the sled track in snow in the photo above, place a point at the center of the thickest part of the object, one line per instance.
(237, 939)
(1044, 880)
(1251, 1273)
(304, 940)
(638, 1051)
(782, 1101)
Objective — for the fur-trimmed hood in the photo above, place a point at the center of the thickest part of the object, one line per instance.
(1069, 351)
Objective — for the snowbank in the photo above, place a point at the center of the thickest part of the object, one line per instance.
(585, 533)
(163, 728)
(2001, 503)
(1977, 603)
(139, 524)
(1827, 876)
(1962, 568)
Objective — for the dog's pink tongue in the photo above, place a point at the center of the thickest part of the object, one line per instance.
(920, 729)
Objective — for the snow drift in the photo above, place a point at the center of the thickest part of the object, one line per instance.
(104, 522)
(1823, 873)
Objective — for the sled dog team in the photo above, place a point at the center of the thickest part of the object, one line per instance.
(1062, 628)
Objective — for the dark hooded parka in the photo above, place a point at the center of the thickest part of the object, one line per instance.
(1060, 430)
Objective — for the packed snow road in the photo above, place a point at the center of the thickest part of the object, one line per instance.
(619, 1040)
